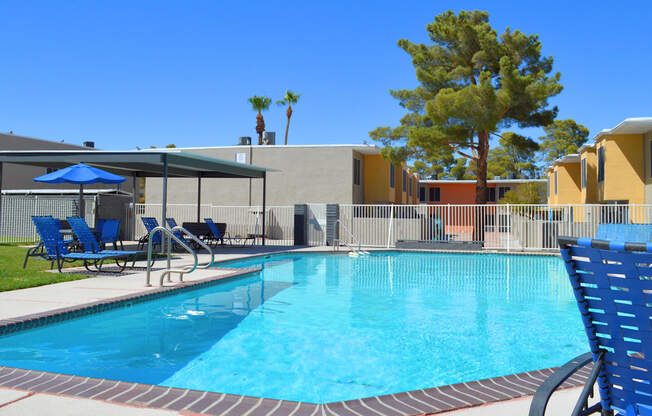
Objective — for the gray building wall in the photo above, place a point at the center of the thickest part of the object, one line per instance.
(306, 174)
(21, 176)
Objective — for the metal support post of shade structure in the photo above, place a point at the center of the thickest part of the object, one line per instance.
(135, 189)
(164, 201)
(199, 198)
(264, 203)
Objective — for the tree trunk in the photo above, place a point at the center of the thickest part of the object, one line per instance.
(287, 126)
(481, 166)
(260, 127)
(481, 185)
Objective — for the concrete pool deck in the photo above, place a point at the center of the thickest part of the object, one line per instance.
(33, 392)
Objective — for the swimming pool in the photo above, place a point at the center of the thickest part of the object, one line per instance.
(321, 327)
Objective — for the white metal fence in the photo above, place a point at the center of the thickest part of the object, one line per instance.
(240, 220)
(509, 227)
(17, 210)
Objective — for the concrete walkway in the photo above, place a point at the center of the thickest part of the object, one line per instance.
(41, 299)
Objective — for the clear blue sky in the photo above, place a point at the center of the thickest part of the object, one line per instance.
(135, 73)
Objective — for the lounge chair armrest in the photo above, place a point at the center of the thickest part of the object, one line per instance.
(548, 387)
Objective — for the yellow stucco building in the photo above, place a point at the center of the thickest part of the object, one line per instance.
(564, 181)
(588, 174)
(385, 182)
(615, 168)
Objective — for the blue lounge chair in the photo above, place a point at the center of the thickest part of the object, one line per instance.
(90, 244)
(221, 235)
(150, 223)
(108, 232)
(612, 283)
(56, 250)
(633, 233)
(39, 249)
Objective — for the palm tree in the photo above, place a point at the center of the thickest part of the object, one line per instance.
(289, 98)
(260, 104)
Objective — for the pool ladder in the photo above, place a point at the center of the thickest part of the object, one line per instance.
(169, 270)
(353, 252)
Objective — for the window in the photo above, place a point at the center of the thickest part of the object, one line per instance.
(555, 182)
(583, 174)
(392, 176)
(410, 186)
(600, 165)
(502, 190)
(435, 194)
(422, 194)
(404, 181)
(491, 194)
(356, 171)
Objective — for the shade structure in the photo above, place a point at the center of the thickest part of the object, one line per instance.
(80, 174)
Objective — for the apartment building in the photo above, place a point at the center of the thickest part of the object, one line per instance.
(615, 168)
(344, 174)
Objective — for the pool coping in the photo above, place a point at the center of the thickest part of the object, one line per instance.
(422, 401)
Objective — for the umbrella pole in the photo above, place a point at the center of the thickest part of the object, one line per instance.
(81, 200)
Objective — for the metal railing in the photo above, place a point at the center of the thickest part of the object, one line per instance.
(198, 241)
(337, 241)
(169, 270)
(498, 226)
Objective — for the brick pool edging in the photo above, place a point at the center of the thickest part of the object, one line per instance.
(425, 401)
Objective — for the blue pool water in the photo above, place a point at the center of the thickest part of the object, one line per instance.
(324, 327)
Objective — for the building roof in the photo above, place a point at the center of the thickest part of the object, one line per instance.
(45, 142)
(587, 146)
(634, 125)
(138, 163)
(491, 181)
(360, 148)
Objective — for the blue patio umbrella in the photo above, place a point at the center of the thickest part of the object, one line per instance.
(80, 174)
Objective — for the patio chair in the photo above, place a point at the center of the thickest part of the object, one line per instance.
(108, 232)
(90, 244)
(39, 250)
(634, 233)
(612, 283)
(221, 235)
(150, 223)
(56, 250)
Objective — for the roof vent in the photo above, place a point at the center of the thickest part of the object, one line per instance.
(244, 141)
(89, 144)
(269, 137)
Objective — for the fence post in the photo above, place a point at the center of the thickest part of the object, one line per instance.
(391, 222)
(509, 226)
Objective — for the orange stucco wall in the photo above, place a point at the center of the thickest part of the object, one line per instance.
(456, 193)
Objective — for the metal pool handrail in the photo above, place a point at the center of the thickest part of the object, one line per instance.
(198, 241)
(170, 236)
(353, 237)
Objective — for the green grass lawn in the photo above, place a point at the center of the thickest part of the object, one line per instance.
(13, 276)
